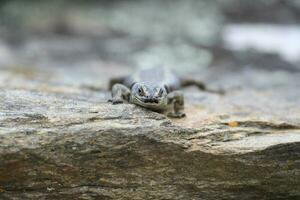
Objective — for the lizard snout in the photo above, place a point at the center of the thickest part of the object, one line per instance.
(151, 100)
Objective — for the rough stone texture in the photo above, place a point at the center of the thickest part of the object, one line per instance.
(60, 139)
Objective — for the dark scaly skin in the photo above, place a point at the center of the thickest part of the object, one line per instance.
(154, 88)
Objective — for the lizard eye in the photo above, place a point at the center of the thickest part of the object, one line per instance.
(160, 92)
(141, 92)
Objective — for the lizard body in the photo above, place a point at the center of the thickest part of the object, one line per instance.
(154, 88)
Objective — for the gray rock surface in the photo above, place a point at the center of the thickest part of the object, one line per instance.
(60, 139)
(63, 141)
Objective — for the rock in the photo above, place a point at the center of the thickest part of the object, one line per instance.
(63, 141)
(266, 38)
(154, 21)
(273, 11)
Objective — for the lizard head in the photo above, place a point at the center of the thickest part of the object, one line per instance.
(149, 95)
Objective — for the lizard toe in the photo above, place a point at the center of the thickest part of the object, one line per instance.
(115, 101)
(176, 114)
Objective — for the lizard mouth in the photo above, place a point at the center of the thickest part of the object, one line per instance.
(147, 101)
(155, 101)
(153, 104)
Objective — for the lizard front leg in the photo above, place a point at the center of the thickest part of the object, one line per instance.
(119, 93)
(114, 81)
(176, 99)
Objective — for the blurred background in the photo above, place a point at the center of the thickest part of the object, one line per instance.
(69, 45)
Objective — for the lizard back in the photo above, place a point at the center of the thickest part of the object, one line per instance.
(159, 76)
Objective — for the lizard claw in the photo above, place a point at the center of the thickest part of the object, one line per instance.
(115, 101)
(176, 114)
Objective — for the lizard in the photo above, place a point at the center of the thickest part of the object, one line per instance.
(155, 88)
